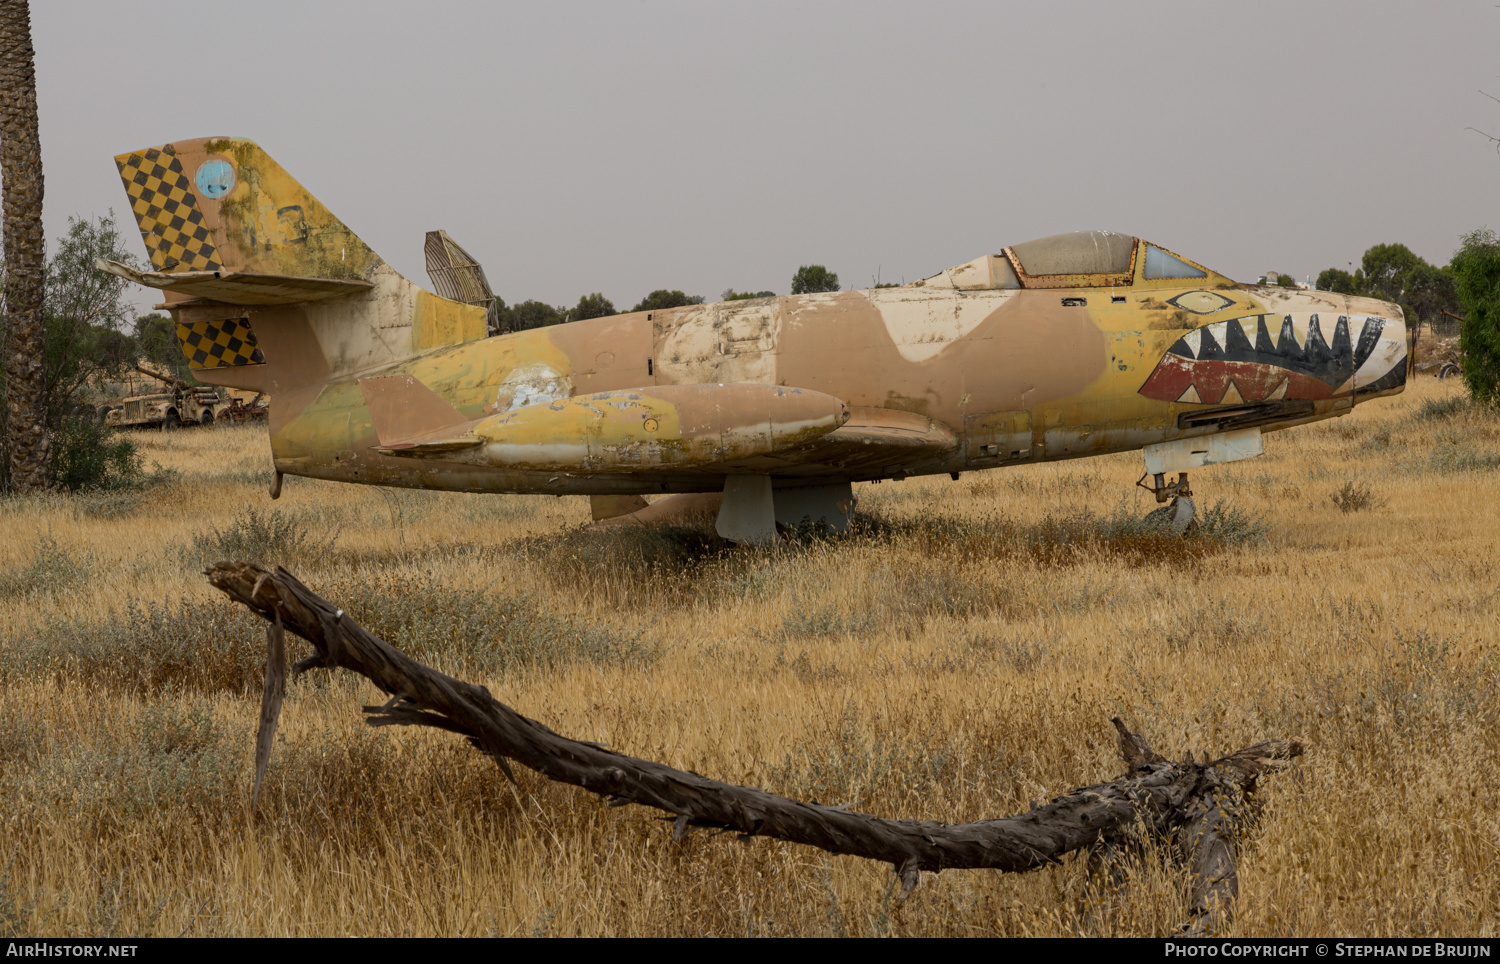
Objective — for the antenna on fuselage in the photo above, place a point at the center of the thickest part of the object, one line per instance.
(458, 277)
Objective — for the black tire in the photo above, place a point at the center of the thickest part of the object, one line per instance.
(207, 420)
(103, 414)
(1178, 517)
(1448, 369)
(171, 423)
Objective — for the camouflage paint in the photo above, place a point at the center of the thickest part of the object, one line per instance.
(981, 365)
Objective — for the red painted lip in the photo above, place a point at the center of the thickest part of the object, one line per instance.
(1210, 380)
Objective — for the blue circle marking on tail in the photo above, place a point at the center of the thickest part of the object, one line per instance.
(215, 178)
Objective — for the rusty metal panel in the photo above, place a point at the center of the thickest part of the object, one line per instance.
(993, 437)
(748, 329)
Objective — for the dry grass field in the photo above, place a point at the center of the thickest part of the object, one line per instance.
(955, 659)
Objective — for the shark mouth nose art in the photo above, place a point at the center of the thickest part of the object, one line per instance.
(1241, 360)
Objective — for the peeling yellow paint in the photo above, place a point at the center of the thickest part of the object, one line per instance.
(979, 365)
(436, 321)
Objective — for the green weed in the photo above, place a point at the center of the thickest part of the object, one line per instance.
(187, 646)
(1455, 451)
(1356, 497)
(474, 629)
(264, 538)
(1441, 409)
(52, 568)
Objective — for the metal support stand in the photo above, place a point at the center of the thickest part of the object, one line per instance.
(748, 512)
(1164, 490)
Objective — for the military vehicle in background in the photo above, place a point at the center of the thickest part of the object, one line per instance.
(1443, 355)
(176, 405)
(246, 407)
(1438, 349)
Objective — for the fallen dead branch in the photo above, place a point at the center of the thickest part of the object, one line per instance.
(1196, 807)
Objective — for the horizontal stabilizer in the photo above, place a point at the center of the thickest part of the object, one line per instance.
(691, 510)
(615, 506)
(238, 287)
(410, 419)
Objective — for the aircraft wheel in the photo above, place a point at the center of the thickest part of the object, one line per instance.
(1179, 517)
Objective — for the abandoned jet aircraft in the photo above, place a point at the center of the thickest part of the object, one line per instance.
(1072, 345)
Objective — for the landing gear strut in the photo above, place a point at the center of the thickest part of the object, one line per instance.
(1178, 516)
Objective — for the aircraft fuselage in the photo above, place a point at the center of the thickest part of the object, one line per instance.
(1066, 346)
(1014, 375)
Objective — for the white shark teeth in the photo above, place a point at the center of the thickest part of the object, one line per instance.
(1299, 329)
(1273, 331)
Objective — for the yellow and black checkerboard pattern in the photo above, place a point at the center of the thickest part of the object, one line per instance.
(219, 344)
(167, 211)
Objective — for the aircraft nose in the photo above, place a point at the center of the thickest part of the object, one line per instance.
(1382, 353)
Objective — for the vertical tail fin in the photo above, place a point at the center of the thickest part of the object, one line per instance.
(248, 256)
(222, 204)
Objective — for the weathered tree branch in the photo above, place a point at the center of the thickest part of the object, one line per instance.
(1198, 803)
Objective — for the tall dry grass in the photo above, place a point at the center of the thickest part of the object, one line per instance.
(954, 659)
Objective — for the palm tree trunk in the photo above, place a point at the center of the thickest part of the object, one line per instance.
(25, 251)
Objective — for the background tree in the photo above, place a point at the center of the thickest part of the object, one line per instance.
(83, 320)
(536, 314)
(1393, 272)
(731, 295)
(592, 306)
(85, 312)
(26, 449)
(661, 299)
(505, 316)
(814, 277)
(155, 338)
(1476, 269)
(1338, 280)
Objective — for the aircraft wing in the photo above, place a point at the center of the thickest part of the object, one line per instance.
(662, 431)
(238, 287)
(873, 438)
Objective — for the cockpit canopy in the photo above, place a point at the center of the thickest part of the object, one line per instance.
(1078, 259)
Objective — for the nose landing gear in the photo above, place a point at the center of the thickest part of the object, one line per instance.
(1178, 516)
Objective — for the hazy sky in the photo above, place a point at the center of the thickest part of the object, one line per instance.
(638, 144)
